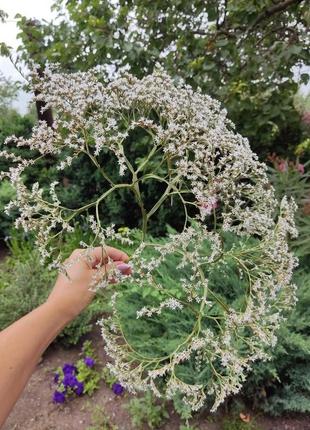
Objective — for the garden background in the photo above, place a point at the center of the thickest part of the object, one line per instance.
(247, 55)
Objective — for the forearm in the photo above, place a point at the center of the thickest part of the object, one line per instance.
(23, 343)
(21, 346)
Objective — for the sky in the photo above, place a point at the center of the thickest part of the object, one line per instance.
(39, 9)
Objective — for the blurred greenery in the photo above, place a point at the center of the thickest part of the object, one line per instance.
(7, 192)
(293, 183)
(11, 123)
(8, 92)
(146, 410)
(302, 102)
(282, 385)
(240, 52)
(25, 284)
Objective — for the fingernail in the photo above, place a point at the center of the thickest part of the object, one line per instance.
(123, 267)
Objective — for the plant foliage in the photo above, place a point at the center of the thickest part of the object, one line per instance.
(25, 284)
(282, 385)
(145, 410)
(240, 52)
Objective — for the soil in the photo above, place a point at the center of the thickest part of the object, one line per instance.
(35, 410)
(3, 251)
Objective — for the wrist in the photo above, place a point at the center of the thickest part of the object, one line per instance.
(59, 312)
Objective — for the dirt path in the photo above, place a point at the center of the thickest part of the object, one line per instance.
(35, 410)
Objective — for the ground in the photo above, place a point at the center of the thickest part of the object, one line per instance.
(35, 410)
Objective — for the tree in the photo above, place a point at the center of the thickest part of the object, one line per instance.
(239, 51)
(8, 92)
(11, 122)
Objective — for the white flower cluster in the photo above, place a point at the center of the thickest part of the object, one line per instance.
(215, 175)
(168, 303)
(216, 339)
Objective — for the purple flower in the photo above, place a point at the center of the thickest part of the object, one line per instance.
(69, 380)
(59, 397)
(56, 377)
(79, 388)
(69, 368)
(118, 389)
(90, 362)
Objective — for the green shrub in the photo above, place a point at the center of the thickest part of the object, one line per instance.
(156, 336)
(11, 123)
(7, 192)
(295, 184)
(283, 383)
(100, 420)
(145, 410)
(235, 423)
(25, 284)
(81, 325)
(182, 409)
(108, 378)
(276, 386)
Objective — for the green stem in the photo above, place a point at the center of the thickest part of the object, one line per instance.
(136, 190)
(94, 160)
(162, 199)
(96, 202)
(150, 155)
(137, 193)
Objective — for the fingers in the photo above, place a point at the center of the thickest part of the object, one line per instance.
(100, 255)
(103, 272)
(116, 254)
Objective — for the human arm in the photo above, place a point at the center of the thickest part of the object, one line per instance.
(23, 343)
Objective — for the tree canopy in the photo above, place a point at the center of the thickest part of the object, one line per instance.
(239, 51)
(8, 92)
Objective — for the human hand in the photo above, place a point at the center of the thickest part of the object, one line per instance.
(73, 291)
